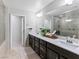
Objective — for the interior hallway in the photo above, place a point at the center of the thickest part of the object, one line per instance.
(16, 50)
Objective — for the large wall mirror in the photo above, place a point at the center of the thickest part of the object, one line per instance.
(68, 23)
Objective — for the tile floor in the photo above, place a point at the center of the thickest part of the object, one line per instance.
(20, 53)
(15, 53)
(31, 54)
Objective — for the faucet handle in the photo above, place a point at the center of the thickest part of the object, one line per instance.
(74, 36)
(69, 41)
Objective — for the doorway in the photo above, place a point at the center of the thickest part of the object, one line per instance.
(17, 30)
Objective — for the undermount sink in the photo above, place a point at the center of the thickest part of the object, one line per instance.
(69, 42)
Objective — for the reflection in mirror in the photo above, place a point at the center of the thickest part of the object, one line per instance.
(67, 24)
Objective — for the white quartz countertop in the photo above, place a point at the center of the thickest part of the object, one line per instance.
(56, 42)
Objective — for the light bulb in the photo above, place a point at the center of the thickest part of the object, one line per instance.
(68, 2)
(39, 14)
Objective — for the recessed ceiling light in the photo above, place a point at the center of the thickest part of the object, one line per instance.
(69, 2)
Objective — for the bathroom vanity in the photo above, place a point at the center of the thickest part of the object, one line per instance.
(48, 48)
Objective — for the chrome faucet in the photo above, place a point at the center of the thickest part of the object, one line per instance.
(69, 40)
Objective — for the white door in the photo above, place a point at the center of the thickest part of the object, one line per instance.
(16, 28)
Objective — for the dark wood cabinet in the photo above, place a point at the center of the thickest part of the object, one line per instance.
(62, 57)
(43, 49)
(43, 43)
(31, 41)
(37, 50)
(47, 50)
(43, 52)
(51, 54)
(37, 45)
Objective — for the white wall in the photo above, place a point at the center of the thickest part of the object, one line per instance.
(2, 22)
(7, 28)
(31, 21)
(4, 29)
(16, 29)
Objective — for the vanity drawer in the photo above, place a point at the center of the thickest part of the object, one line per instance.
(37, 39)
(42, 42)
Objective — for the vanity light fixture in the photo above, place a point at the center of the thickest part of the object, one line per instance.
(68, 2)
(68, 20)
(39, 14)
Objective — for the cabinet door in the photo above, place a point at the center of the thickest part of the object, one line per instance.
(43, 42)
(61, 57)
(37, 44)
(51, 54)
(43, 55)
(37, 50)
(31, 41)
(43, 52)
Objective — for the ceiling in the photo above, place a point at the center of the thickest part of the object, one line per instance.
(31, 5)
